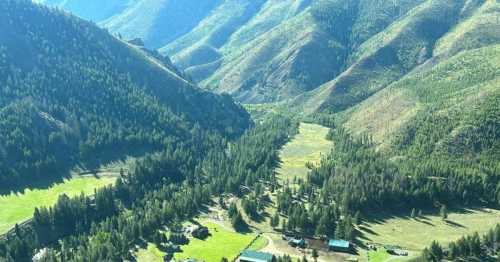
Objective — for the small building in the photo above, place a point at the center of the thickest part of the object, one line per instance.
(339, 245)
(254, 256)
(200, 232)
(297, 242)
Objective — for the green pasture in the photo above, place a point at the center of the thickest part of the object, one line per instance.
(18, 207)
(307, 146)
(221, 243)
(416, 234)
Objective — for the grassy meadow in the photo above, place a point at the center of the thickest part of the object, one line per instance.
(416, 234)
(307, 146)
(18, 207)
(221, 243)
(150, 254)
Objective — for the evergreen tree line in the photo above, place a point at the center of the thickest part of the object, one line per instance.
(76, 94)
(357, 177)
(469, 248)
(160, 191)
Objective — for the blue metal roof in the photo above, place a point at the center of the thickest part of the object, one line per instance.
(297, 241)
(254, 256)
(339, 243)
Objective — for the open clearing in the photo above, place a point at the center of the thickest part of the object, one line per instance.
(151, 254)
(18, 207)
(416, 234)
(221, 243)
(309, 145)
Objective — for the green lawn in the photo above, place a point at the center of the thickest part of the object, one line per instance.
(416, 234)
(260, 243)
(16, 208)
(378, 256)
(221, 243)
(151, 254)
(307, 146)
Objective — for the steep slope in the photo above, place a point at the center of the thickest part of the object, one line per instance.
(71, 92)
(444, 104)
(286, 48)
(391, 54)
(332, 54)
(450, 110)
(158, 22)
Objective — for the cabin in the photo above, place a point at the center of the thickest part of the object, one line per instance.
(254, 256)
(339, 245)
(297, 242)
(200, 232)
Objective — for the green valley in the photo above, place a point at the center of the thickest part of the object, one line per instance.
(258, 130)
(306, 147)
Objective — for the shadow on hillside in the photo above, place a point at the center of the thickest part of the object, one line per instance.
(381, 217)
(90, 166)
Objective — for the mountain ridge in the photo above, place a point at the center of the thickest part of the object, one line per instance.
(78, 92)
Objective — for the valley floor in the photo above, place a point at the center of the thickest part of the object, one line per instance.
(382, 228)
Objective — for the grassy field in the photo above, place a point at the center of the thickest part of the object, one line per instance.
(221, 243)
(260, 243)
(307, 146)
(151, 254)
(415, 234)
(18, 207)
(378, 256)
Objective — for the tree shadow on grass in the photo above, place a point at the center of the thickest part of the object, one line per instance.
(454, 224)
(90, 165)
(363, 229)
(424, 221)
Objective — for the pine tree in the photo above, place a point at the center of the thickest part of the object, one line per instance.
(436, 251)
(443, 212)
(275, 220)
(357, 218)
(315, 254)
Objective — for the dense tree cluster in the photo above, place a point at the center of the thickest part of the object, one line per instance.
(161, 190)
(70, 92)
(356, 176)
(251, 161)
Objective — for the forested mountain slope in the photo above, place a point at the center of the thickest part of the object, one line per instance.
(450, 110)
(70, 92)
(453, 93)
(325, 55)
